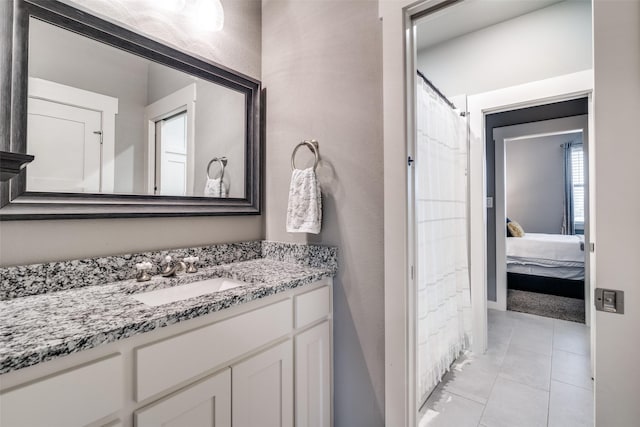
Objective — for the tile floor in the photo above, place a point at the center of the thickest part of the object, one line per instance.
(536, 372)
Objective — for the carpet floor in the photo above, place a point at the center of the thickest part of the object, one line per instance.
(564, 308)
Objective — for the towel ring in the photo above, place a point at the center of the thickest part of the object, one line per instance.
(223, 163)
(313, 146)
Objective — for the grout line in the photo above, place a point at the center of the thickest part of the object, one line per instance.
(572, 352)
(456, 394)
(572, 385)
(511, 331)
(553, 338)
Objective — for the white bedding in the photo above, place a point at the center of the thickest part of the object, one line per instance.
(546, 249)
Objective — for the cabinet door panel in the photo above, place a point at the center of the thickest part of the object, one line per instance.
(263, 389)
(204, 404)
(313, 377)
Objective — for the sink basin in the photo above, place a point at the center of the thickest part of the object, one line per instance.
(183, 292)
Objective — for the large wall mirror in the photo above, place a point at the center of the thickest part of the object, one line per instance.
(121, 125)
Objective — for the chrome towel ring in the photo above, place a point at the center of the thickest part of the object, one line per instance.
(223, 164)
(313, 146)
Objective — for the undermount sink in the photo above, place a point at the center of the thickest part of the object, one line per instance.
(183, 292)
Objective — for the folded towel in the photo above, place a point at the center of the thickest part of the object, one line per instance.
(215, 188)
(304, 213)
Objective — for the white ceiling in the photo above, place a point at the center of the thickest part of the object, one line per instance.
(471, 15)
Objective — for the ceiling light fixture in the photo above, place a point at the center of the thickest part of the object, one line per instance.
(207, 15)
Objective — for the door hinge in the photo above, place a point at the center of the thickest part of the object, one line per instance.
(412, 275)
(98, 132)
(410, 161)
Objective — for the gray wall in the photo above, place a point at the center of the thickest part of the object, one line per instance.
(238, 46)
(535, 182)
(64, 57)
(322, 64)
(549, 42)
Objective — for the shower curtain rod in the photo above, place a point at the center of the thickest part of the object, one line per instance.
(427, 81)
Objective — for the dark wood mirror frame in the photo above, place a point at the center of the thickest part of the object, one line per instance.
(18, 204)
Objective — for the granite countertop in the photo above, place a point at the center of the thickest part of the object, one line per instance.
(37, 328)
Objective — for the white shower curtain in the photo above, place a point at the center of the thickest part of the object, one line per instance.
(443, 294)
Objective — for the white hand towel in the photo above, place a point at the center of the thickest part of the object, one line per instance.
(215, 188)
(304, 213)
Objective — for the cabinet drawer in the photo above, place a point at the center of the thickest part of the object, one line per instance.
(73, 398)
(312, 306)
(167, 363)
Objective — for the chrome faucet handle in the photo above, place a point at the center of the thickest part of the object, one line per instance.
(172, 268)
(142, 271)
(191, 263)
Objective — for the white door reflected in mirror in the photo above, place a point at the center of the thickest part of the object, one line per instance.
(70, 167)
(171, 156)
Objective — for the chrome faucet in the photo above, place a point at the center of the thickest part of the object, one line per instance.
(171, 267)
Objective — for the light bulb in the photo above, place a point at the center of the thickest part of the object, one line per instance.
(208, 15)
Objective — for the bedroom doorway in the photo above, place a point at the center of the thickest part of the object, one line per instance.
(542, 216)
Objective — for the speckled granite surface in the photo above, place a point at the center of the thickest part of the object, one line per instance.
(37, 279)
(42, 327)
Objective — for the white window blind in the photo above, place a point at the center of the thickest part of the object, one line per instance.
(577, 175)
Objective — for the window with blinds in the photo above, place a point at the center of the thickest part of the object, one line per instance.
(577, 176)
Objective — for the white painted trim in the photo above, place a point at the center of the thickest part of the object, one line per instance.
(529, 94)
(181, 100)
(106, 105)
(513, 133)
(398, 69)
(493, 305)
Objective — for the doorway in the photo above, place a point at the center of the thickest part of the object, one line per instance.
(558, 118)
(499, 360)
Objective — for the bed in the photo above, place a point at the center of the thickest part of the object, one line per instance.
(547, 263)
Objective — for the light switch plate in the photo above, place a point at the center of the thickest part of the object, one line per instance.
(609, 300)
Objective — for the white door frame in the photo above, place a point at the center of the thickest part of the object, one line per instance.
(106, 105)
(561, 88)
(181, 100)
(398, 65)
(506, 134)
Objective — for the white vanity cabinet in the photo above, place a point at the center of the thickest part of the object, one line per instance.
(263, 389)
(262, 363)
(206, 403)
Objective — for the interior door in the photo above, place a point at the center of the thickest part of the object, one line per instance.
(172, 168)
(66, 143)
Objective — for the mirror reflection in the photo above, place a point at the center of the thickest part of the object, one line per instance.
(102, 120)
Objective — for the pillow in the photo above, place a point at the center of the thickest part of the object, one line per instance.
(508, 231)
(515, 229)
